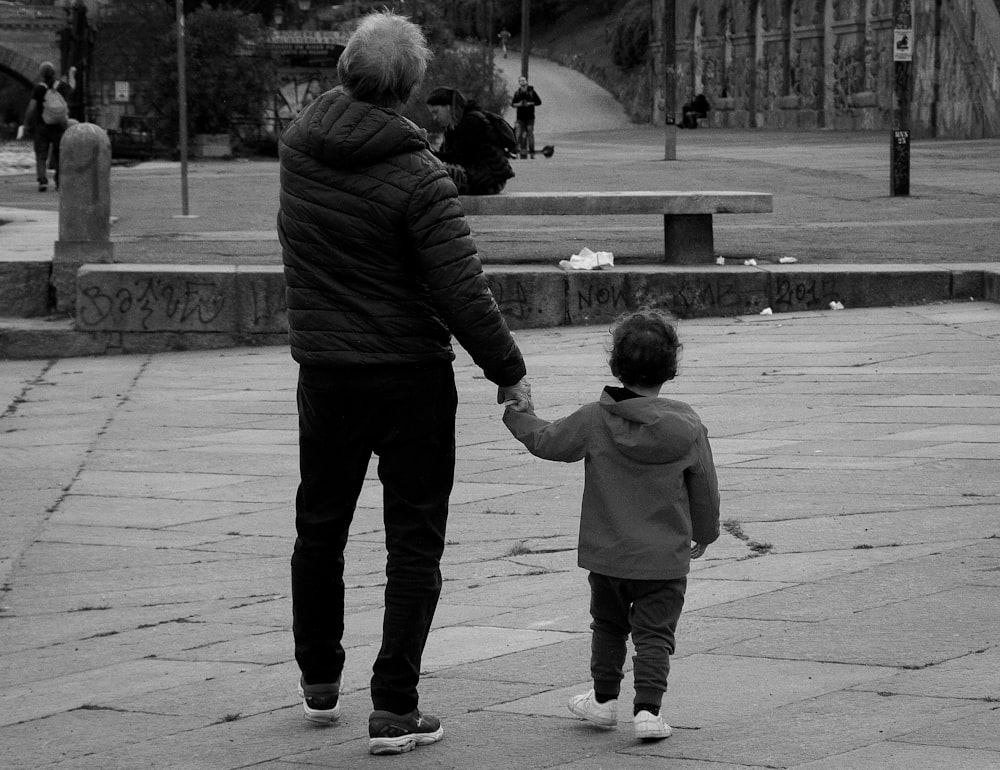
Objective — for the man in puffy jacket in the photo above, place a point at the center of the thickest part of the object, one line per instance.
(381, 271)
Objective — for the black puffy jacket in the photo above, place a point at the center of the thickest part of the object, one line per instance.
(379, 263)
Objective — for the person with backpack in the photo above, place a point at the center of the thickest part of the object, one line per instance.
(473, 150)
(47, 119)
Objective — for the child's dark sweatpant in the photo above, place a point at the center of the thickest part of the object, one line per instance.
(646, 609)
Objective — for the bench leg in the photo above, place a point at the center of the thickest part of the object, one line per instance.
(687, 239)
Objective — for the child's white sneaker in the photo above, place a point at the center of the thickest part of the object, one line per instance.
(586, 706)
(650, 727)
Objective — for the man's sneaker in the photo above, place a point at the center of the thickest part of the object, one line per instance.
(586, 706)
(390, 733)
(42, 187)
(650, 727)
(320, 702)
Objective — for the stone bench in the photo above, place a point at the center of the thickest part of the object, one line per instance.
(687, 216)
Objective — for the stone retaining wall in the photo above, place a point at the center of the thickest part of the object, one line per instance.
(124, 308)
(245, 301)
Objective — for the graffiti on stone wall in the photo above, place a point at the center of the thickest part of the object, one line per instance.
(871, 62)
(599, 298)
(823, 55)
(775, 72)
(513, 302)
(710, 76)
(608, 298)
(803, 293)
(848, 69)
(811, 86)
(795, 69)
(151, 304)
(814, 12)
(266, 298)
(695, 296)
(741, 80)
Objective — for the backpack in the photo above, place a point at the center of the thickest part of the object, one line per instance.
(503, 130)
(55, 111)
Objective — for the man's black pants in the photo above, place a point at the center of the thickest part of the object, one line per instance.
(406, 416)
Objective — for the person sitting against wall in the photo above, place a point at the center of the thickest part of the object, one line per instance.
(471, 151)
(695, 110)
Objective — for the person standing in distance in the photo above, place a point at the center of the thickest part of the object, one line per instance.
(525, 100)
(381, 271)
(504, 37)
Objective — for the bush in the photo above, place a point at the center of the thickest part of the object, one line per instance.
(231, 76)
(630, 40)
(465, 68)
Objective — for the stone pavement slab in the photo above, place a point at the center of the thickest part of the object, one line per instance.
(846, 617)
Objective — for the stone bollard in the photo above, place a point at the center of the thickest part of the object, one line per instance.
(84, 208)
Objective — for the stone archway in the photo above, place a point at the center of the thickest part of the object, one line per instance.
(18, 66)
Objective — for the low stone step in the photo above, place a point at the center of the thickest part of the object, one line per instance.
(127, 308)
(250, 301)
(24, 288)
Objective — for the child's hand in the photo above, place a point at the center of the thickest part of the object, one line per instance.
(698, 550)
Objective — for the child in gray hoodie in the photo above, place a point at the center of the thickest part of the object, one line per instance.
(650, 505)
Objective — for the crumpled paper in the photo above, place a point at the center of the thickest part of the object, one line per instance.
(588, 260)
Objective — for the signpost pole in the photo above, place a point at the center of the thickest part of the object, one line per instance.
(902, 60)
(182, 106)
(670, 79)
(525, 36)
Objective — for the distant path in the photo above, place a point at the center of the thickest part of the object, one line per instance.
(570, 101)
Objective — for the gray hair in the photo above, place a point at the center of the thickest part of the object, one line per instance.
(384, 60)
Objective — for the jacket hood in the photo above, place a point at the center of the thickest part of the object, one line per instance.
(345, 133)
(650, 430)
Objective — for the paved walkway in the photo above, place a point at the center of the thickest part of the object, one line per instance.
(831, 202)
(847, 618)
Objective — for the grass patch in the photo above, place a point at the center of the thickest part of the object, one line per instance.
(734, 528)
(518, 549)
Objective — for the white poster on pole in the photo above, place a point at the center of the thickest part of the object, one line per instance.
(902, 49)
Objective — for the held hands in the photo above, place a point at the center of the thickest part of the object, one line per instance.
(516, 397)
(697, 550)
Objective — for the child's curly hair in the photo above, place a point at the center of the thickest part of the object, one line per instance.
(645, 348)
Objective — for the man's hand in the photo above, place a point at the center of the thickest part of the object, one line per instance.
(519, 394)
(698, 550)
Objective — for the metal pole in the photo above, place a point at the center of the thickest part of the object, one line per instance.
(902, 59)
(525, 36)
(669, 80)
(489, 41)
(182, 106)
